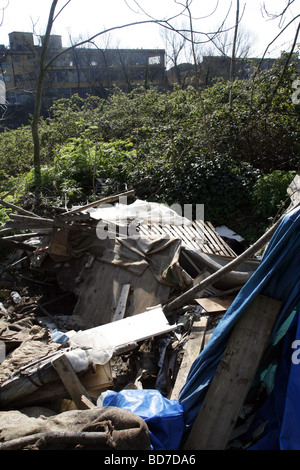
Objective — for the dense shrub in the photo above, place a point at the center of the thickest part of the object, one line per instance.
(182, 146)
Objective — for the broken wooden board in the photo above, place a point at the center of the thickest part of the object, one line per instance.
(98, 378)
(234, 375)
(72, 383)
(122, 304)
(192, 350)
(215, 304)
(59, 243)
(94, 381)
(105, 200)
(104, 340)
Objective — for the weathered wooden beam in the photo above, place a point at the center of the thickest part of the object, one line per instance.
(27, 218)
(105, 200)
(193, 348)
(234, 376)
(16, 208)
(122, 304)
(8, 243)
(72, 383)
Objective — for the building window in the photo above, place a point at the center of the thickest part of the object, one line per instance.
(59, 76)
(78, 76)
(155, 60)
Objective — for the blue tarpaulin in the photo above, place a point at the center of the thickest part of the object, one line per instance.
(164, 417)
(278, 276)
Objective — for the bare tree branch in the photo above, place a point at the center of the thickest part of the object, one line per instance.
(2, 13)
(62, 8)
(268, 46)
(273, 16)
(285, 67)
(272, 42)
(38, 99)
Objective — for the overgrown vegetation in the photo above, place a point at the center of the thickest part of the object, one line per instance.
(174, 147)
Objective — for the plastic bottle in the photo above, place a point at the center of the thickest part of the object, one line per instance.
(16, 297)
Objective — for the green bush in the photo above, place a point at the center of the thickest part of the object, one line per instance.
(183, 146)
(269, 195)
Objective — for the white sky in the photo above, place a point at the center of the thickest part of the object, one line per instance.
(82, 19)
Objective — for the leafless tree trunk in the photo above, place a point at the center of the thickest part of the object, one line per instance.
(38, 99)
(174, 45)
(233, 56)
(43, 66)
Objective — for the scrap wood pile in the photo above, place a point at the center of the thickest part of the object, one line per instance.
(92, 309)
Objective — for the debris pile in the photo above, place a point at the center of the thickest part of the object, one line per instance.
(94, 300)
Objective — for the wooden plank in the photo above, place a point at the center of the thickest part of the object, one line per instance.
(193, 348)
(185, 237)
(215, 304)
(105, 200)
(87, 403)
(122, 304)
(234, 375)
(195, 236)
(115, 335)
(208, 335)
(70, 380)
(59, 243)
(228, 251)
(215, 242)
(20, 210)
(98, 378)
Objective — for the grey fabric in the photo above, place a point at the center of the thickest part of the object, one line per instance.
(126, 430)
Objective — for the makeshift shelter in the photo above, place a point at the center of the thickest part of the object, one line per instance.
(273, 399)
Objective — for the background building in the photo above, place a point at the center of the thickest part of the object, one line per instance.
(75, 70)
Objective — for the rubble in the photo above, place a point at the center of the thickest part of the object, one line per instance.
(86, 308)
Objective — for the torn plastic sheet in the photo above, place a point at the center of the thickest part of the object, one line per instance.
(141, 212)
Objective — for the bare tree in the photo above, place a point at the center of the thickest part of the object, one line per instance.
(2, 12)
(189, 34)
(233, 55)
(44, 66)
(244, 43)
(174, 46)
(281, 17)
(38, 97)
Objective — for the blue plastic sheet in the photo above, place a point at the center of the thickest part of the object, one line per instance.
(164, 417)
(278, 276)
(59, 337)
